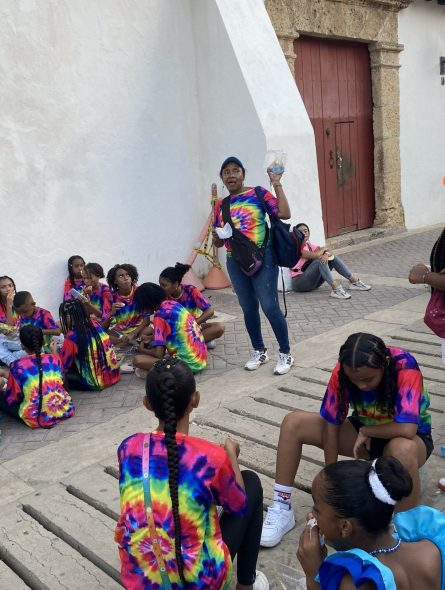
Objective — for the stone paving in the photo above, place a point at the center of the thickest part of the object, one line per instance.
(383, 263)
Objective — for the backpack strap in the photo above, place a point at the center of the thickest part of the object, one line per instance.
(155, 541)
(266, 212)
(225, 210)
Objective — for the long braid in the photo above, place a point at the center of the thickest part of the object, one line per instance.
(91, 352)
(167, 389)
(32, 338)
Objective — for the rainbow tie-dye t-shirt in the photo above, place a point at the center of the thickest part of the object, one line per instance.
(248, 214)
(129, 317)
(193, 300)
(79, 284)
(411, 403)
(107, 374)
(3, 315)
(101, 299)
(176, 329)
(44, 320)
(206, 479)
(23, 389)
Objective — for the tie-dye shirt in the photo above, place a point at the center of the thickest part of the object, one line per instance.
(176, 329)
(129, 317)
(23, 389)
(248, 214)
(101, 299)
(44, 320)
(107, 374)
(411, 403)
(206, 479)
(79, 284)
(3, 315)
(193, 300)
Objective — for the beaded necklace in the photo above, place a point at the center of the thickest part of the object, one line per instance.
(386, 549)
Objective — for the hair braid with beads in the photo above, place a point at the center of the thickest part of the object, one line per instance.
(32, 338)
(366, 350)
(169, 387)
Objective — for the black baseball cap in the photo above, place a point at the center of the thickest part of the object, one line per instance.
(232, 160)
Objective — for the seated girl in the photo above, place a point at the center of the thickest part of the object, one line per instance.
(170, 485)
(29, 314)
(174, 330)
(353, 506)
(192, 299)
(88, 359)
(75, 278)
(10, 347)
(384, 387)
(314, 268)
(126, 320)
(99, 297)
(34, 392)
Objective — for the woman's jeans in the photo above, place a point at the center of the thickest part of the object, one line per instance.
(10, 350)
(260, 289)
(242, 534)
(317, 273)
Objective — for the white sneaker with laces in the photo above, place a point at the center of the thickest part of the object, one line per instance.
(340, 293)
(127, 368)
(261, 582)
(258, 358)
(285, 362)
(279, 520)
(359, 286)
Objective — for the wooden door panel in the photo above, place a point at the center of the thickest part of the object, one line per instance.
(335, 84)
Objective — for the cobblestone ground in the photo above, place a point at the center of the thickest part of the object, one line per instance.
(384, 265)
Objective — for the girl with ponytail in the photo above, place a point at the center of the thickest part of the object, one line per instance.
(34, 391)
(169, 533)
(384, 388)
(353, 506)
(192, 299)
(88, 359)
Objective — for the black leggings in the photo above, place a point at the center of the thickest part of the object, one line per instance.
(73, 380)
(12, 411)
(242, 534)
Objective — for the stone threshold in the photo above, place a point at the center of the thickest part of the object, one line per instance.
(363, 236)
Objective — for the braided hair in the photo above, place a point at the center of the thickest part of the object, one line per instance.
(149, 296)
(169, 388)
(130, 268)
(6, 278)
(71, 260)
(91, 352)
(31, 337)
(437, 257)
(176, 273)
(366, 350)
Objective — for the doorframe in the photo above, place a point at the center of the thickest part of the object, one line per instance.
(374, 22)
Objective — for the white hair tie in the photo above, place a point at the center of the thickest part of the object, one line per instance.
(378, 489)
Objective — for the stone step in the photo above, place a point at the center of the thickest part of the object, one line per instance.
(43, 560)
(9, 580)
(416, 348)
(307, 388)
(97, 486)
(85, 529)
(410, 336)
(254, 455)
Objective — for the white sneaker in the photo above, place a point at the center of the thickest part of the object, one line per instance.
(211, 345)
(261, 582)
(285, 362)
(359, 286)
(127, 368)
(258, 358)
(340, 293)
(279, 520)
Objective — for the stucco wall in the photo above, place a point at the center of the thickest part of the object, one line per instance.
(115, 118)
(422, 113)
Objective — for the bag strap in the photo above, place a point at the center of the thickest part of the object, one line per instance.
(225, 210)
(284, 292)
(155, 541)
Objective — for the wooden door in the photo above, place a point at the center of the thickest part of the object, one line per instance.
(334, 79)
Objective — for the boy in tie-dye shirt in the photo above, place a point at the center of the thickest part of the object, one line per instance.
(30, 314)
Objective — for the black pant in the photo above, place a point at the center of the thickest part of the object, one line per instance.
(12, 411)
(73, 380)
(242, 534)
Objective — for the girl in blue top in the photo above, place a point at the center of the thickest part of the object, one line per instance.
(353, 506)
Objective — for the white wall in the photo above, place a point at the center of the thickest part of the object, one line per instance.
(422, 113)
(115, 118)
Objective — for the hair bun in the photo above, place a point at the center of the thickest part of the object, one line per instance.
(394, 477)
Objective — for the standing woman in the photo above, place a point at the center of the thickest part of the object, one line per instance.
(434, 276)
(249, 217)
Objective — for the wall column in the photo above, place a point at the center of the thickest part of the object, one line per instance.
(287, 45)
(386, 116)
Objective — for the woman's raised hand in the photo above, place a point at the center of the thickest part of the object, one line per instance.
(274, 178)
